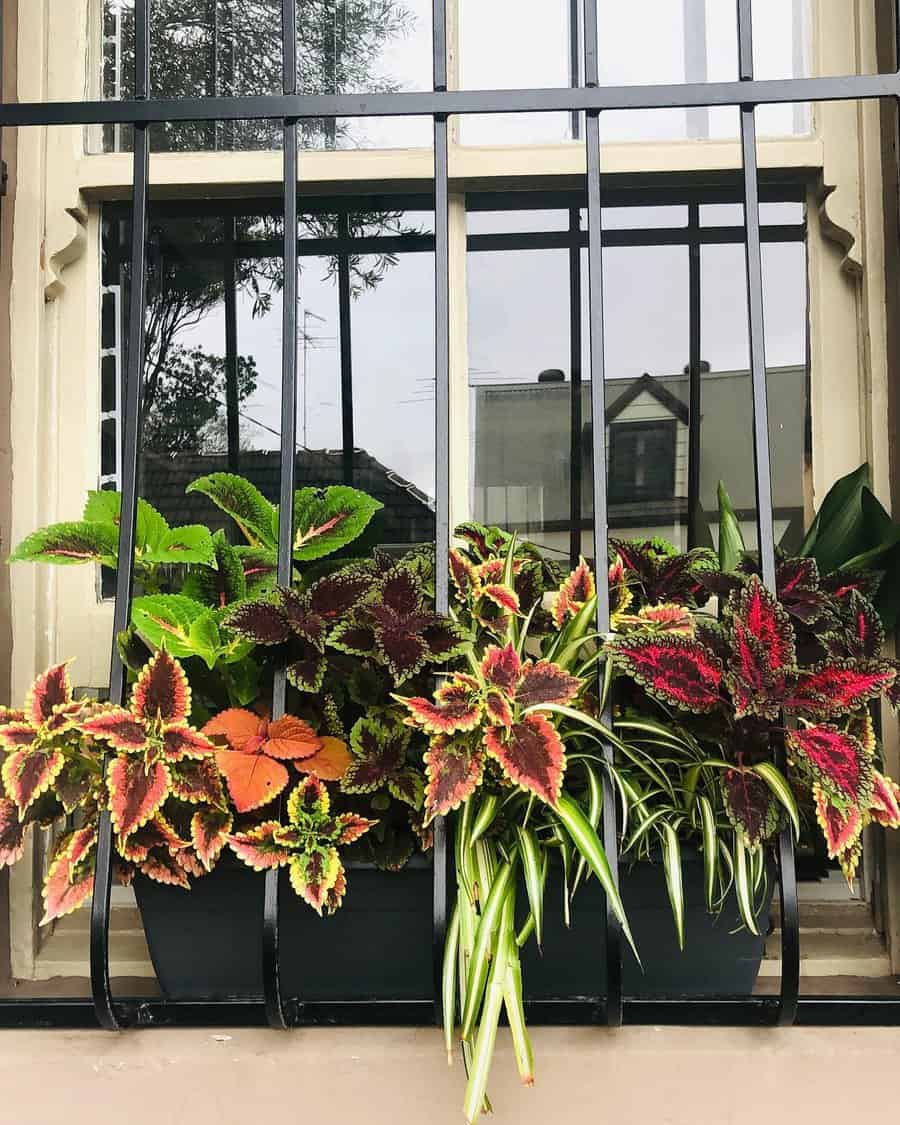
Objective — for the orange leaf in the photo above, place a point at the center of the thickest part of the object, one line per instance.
(330, 763)
(253, 779)
(291, 738)
(237, 725)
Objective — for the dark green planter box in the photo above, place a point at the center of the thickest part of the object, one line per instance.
(207, 943)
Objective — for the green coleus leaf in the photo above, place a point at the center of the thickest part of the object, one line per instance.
(70, 543)
(190, 544)
(246, 505)
(325, 521)
(260, 565)
(184, 627)
(106, 506)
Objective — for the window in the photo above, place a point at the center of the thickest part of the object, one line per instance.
(641, 461)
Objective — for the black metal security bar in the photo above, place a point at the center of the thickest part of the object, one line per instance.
(592, 99)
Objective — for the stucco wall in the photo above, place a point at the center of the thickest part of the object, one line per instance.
(635, 1076)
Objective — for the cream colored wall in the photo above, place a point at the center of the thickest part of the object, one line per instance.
(55, 322)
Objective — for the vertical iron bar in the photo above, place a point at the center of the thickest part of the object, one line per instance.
(611, 928)
(694, 512)
(232, 396)
(787, 876)
(99, 926)
(575, 406)
(345, 332)
(575, 60)
(275, 1012)
(441, 446)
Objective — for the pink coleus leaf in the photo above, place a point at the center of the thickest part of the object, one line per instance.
(259, 847)
(573, 593)
(498, 709)
(12, 833)
(763, 656)
(119, 728)
(162, 691)
(545, 682)
(502, 596)
(453, 772)
(531, 754)
(18, 735)
(463, 573)
(841, 826)
(838, 687)
(837, 760)
(674, 670)
(66, 886)
(136, 791)
(884, 804)
(210, 829)
(29, 772)
(501, 668)
(49, 691)
(313, 874)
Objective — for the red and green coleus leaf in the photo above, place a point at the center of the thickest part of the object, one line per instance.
(157, 833)
(327, 520)
(18, 735)
(350, 827)
(68, 885)
(798, 586)
(335, 893)
(48, 692)
(12, 833)
(308, 800)
(29, 772)
(210, 829)
(462, 571)
(763, 655)
(70, 543)
(841, 824)
(750, 805)
(162, 693)
(198, 782)
(262, 621)
(502, 596)
(164, 868)
(137, 789)
(836, 759)
(314, 873)
(179, 741)
(578, 588)
(861, 727)
(839, 687)
(453, 772)
(531, 754)
(457, 707)
(860, 634)
(665, 618)
(119, 728)
(545, 682)
(674, 670)
(259, 848)
(379, 753)
(884, 803)
(501, 668)
(246, 505)
(498, 708)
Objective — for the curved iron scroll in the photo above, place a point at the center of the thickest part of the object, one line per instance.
(276, 1014)
(787, 876)
(99, 927)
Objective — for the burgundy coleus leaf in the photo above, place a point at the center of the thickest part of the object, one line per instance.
(456, 708)
(161, 693)
(335, 893)
(336, 594)
(210, 830)
(119, 728)
(350, 827)
(260, 621)
(307, 668)
(355, 638)
(181, 741)
(884, 804)
(798, 586)
(156, 833)
(72, 785)
(501, 668)
(578, 588)
(462, 571)
(29, 772)
(314, 873)
(12, 833)
(164, 868)
(502, 596)
(453, 772)
(841, 583)
(49, 691)
(750, 805)
(259, 848)
(836, 759)
(838, 687)
(841, 825)
(545, 682)
(407, 786)
(861, 634)
(498, 709)
(137, 789)
(67, 886)
(756, 613)
(531, 755)
(16, 736)
(674, 670)
(302, 620)
(379, 753)
(197, 781)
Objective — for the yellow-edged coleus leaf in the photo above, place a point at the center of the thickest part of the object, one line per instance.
(379, 754)
(157, 833)
(181, 741)
(457, 707)
(308, 799)
(137, 789)
(210, 829)
(841, 823)
(462, 571)
(164, 868)
(70, 881)
(674, 670)
(836, 760)
(531, 754)
(12, 833)
(69, 544)
(407, 785)
(884, 804)
(545, 682)
(502, 596)
(29, 772)
(334, 896)
(350, 827)
(314, 873)
(197, 781)
(119, 728)
(259, 847)
(861, 727)
(49, 691)
(578, 588)
(162, 693)
(453, 771)
(501, 668)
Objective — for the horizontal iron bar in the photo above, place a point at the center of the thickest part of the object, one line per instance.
(758, 1011)
(428, 103)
